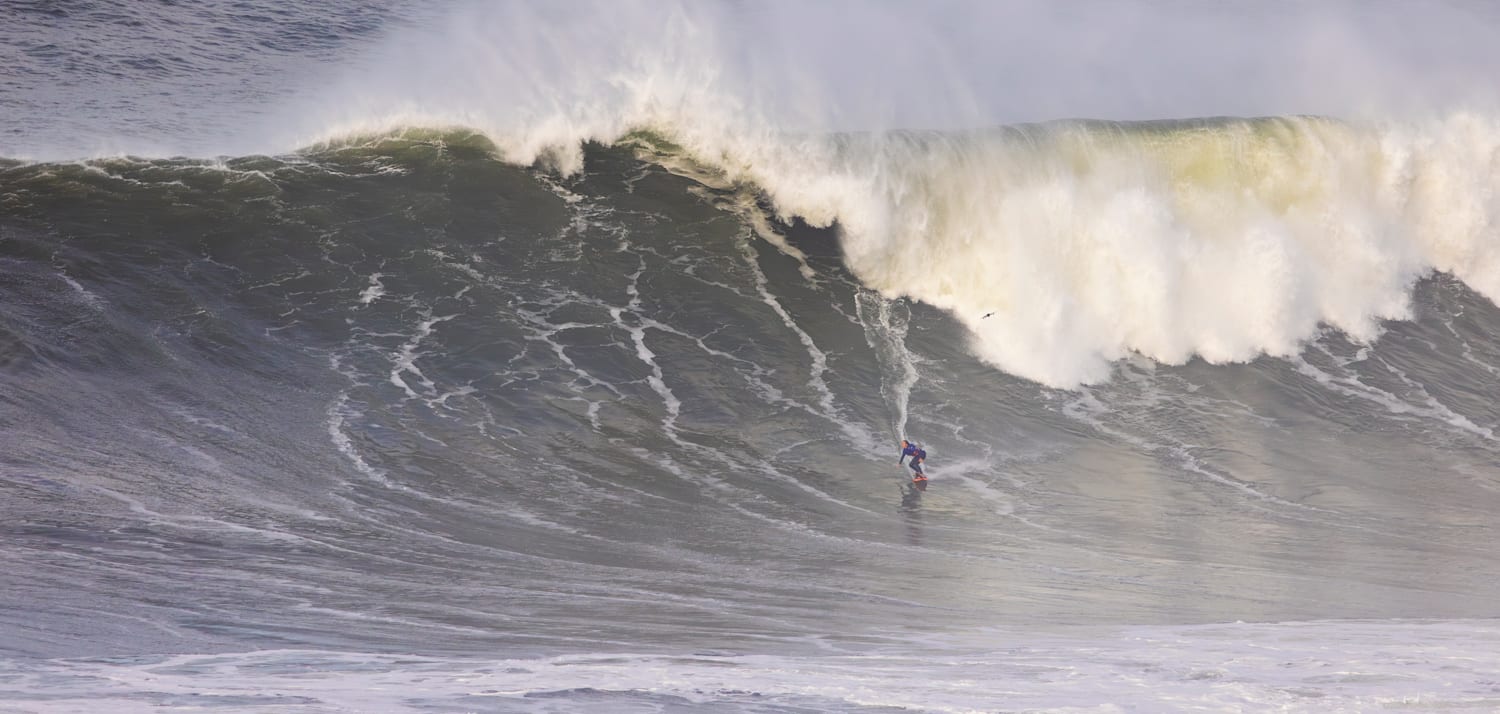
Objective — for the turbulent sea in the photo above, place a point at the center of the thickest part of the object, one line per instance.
(452, 399)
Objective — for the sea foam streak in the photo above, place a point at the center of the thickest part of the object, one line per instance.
(1082, 242)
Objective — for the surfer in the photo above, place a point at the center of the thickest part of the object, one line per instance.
(918, 455)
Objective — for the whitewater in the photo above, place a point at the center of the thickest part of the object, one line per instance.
(1085, 241)
(408, 356)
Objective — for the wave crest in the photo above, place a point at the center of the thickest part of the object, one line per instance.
(1081, 241)
(1066, 246)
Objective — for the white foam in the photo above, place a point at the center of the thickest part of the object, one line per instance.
(342, 442)
(88, 297)
(657, 379)
(1088, 408)
(404, 361)
(818, 360)
(1290, 667)
(373, 291)
(1350, 385)
(885, 331)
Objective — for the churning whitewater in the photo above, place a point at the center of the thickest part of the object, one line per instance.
(519, 357)
(1066, 247)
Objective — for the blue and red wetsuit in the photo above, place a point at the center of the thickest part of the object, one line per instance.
(917, 454)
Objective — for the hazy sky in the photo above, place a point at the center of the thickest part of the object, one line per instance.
(845, 64)
(223, 77)
(1022, 61)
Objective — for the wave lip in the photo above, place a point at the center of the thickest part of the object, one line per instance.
(1066, 246)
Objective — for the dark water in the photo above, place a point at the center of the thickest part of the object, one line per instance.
(394, 424)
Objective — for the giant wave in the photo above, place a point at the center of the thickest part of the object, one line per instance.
(553, 356)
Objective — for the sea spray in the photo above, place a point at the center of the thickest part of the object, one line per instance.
(1088, 241)
(885, 322)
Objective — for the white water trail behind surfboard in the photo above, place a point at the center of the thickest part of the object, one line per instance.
(885, 322)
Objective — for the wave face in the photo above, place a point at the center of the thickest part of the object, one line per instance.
(542, 358)
(416, 399)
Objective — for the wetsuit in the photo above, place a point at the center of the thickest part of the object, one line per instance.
(917, 454)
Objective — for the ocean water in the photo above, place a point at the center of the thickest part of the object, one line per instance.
(512, 357)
